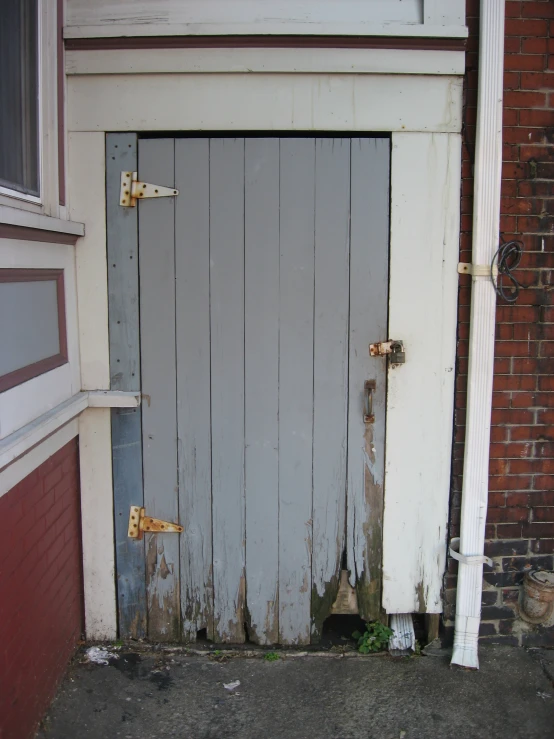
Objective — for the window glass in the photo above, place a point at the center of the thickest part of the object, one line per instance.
(19, 152)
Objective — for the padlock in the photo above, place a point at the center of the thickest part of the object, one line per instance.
(397, 353)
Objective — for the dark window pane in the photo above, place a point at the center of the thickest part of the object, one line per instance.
(19, 155)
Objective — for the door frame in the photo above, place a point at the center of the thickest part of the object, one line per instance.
(425, 189)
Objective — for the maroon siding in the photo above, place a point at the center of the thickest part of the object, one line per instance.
(41, 611)
(520, 521)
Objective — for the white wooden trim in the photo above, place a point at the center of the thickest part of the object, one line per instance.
(270, 102)
(18, 470)
(95, 447)
(18, 217)
(486, 218)
(20, 442)
(425, 213)
(221, 17)
(24, 403)
(113, 399)
(49, 107)
(283, 29)
(425, 195)
(233, 61)
(87, 203)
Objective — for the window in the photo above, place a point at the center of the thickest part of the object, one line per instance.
(33, 336)
(19, 116)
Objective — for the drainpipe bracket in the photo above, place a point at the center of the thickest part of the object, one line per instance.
(467, 559)
(478, 270)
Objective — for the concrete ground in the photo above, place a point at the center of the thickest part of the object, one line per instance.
(155, 693)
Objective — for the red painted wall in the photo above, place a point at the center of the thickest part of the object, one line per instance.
(41, 611)
(520, 520)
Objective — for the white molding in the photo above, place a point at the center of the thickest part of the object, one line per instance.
(21, 441)
(19, 469)
(95, 445)
(272, 17)
(283, 29)
(282, 102)
(233, 61)
(486, 219)
(424, 248)
(48, 68)
(87, 203)
(113, 399)
(18, 217)
(266, 102)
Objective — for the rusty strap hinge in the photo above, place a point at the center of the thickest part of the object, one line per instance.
(139, 523)
(132, 189)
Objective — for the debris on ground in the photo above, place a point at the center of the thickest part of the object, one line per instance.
(232, 686)
(100, 656)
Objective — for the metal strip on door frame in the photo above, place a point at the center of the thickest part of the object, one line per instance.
(123, 317)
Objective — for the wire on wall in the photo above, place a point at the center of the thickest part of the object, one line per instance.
(507, 258)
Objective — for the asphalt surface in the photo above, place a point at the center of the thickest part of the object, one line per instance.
(155, 693)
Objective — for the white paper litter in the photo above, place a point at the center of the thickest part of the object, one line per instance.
(99, 656)
(231, 686)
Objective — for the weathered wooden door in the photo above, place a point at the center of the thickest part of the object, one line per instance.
(261, 286)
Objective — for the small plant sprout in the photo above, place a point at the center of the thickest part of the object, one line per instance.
(271, 656)
(375, 637)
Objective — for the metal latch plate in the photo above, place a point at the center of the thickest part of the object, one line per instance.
(132, 189)
(139, 522)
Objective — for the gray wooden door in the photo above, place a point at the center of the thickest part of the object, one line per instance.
(261, 286)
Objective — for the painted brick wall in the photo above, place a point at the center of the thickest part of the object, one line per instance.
(41, 613)
(520, 520)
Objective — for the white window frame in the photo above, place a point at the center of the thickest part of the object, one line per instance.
(47, 200)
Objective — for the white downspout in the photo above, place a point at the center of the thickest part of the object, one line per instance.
(486, 221)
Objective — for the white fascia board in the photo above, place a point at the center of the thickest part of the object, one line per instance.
(417, 30)
(268, 61)
(26, 219)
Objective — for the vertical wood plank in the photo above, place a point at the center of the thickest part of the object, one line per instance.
(159, 423)
(425, 186)
(261, 387)
(331, 301)
(192, 299)
(296, 387)
(227, 385)
(123, 289)
(368, 324)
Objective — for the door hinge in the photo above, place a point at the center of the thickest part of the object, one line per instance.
(394, 349)
(139, 522)
(132, 189)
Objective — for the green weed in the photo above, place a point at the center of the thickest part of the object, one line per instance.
(375, 637)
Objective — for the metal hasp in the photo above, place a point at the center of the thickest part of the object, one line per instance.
(132, 189)
(393, 348)
(139, 523)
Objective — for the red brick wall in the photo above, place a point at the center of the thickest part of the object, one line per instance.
(41, 613)
(520, 521)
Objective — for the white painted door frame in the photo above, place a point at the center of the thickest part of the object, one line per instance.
(425, 189)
